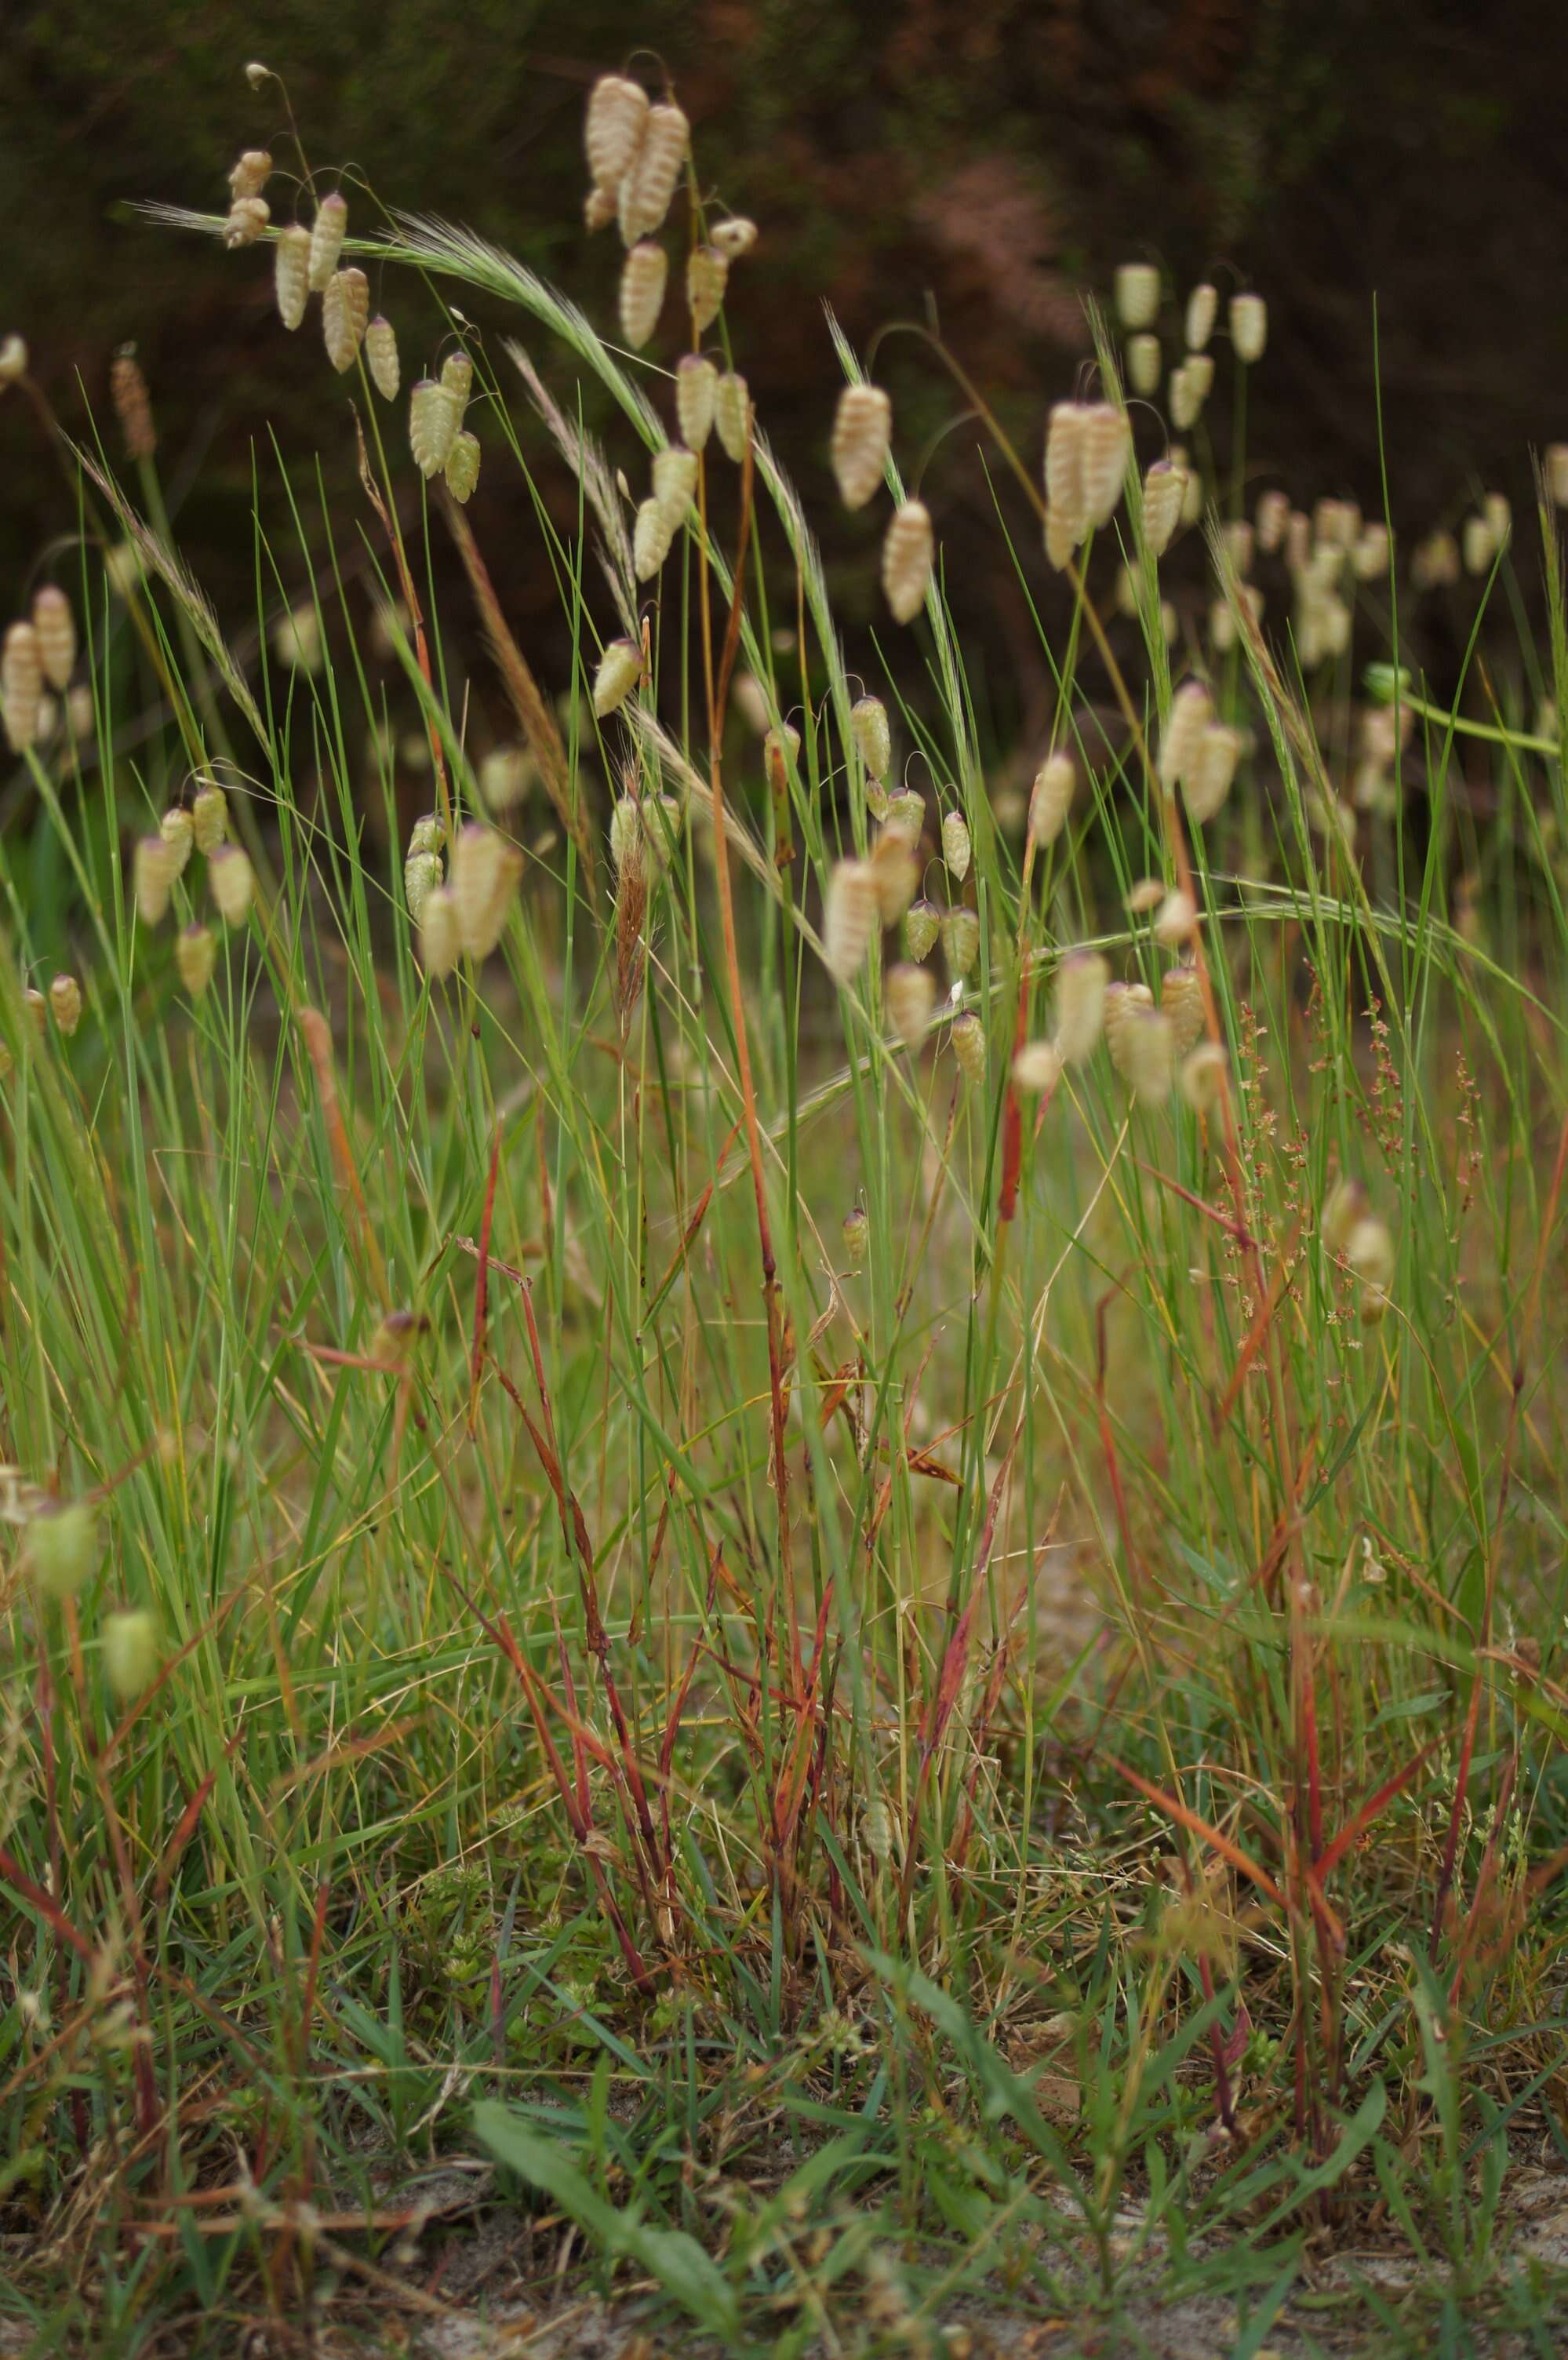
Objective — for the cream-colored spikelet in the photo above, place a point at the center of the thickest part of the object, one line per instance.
(13, 360)
(65, 1003)
(1050, 798)
(1191, 709)
(230, 882)
(1064, 491)
(1369, 558)
(856, 1232)
(732, 414)
(1369, 1252)
(1477, 545)
(1344, 1205)
(1148, 1054)
(850, 915)
(432, 425)
(956, 848)
(1238, 540)
(1248, 327)
(1107, 448)
(1298, 541)
(1174, 920)
(1143, 364)
(327, 232)
(1201, 1080)
(649, 184)
(209, 817)
(1163, 487)
(1184, 397)
(906, 552)
(291, 274)
(1182, 998)
(1137, 294)
(421, 875)
(461, 469)
(1082, 979)
(896, 874)
(381, 356)
(21, 685)
(37, 1011)
(457, 381)
(674, 475)
(619, 670)
(1120, 1001)
(1554, 469)
(923, 924)
(345, 311)
(1212, 771)
(734, 236)
(696, 382)
(485, 873)
(56, 628)
(960, 941)
(599, 210)
(861, 437)
(612, 128)
(1145, 896)
(869, 720)
(130, 1653)
(1269, 520)
(911, 999)
(440, 941)
(652, 533)
(1036, 1068)
(644, 274)
(153, 874)
(969, 1045)
(906, 815)
(1063, 535)
(248, 216)
(250, 173)
(195, 954)
(1202, 306)
(178, 830)
(707, 276)
(505, 777)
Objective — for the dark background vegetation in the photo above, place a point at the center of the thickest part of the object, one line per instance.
(979, 161)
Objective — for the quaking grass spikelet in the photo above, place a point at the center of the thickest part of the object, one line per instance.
(1106, 446)
(869, 720)
(614, 128)
(21, 685)
(969, 1045)
(696, 383)
(462, 470)
(675, 481)
(178, 830)
(922, 925)
(485, 873)
(1136, 294)
(652, 534)
(1192, 710)
(732, 414)
(894, 873)
(440, 941)
(643, 277)
(195, 954)
(1201, 1079)
(619, 670)
(1248, 327)
(956, 848)
(1182, 998)
(649, 182)
(734, 237)
(910, 994)
(153, 874)
(1143, 364)
(230, 883)
(250, 173)
(433, 414)
(1202, 306)
(1148, 1054)
(327, 234)
(1050, 798)
(130, 1653)
(707, 274)
(960, 941)
(1163, 487)
(1082, 980)
(55, 626)
(346, 309)
(62, 1546)
(906, 552)
(381, 356)
(850, 917)
(65, 1003)
(861, 436)
(1212, 770)
(209, 817)
(291, 274)
(1036, 1068)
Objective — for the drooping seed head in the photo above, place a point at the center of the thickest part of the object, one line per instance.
(1119, 1002)
(1183, 398)
(231, 882)
(960, 941)
(907, 552)
(327, 232)
(1107, 447)
(599, 209)
(457, 380)
(644, 275)
(21, 685)
(619, 670)
(696, 381)
(433, 415)
(956, 849)
(906, 815)
(345, 309)
(1191, 709)
(421, 875)
(130, 1653)
(1212, 771)
(65, 1001)
(1200, 368)
(1144, 364)
(869, 720)
(1174, 920)
(1065, 492)
(153, 874)
(1036, 1068)
(1369, 558)
(461, 469)
(1478, 545)
(178, 830)
(1148, 1058)
(486, 871)
(675, 480)
(1137, 294)
(195, 954)
(1271, 518)
(291, 274)
(911, 998)
(37, 1011)
(969, 1045)
(381, 356)
(1343, 1207)
(297, 639)
(1145, 896)
(441, 942)
(861, 437)
(63, 1545)
(250, 173)
(1050, 798)
(1369, 1252)
(856, 1233)
(614, 128)
(1181, 999)
(648, 183)
(1082, 981)
(707, 274)
(923, 924)
(896, 873)
(732, 414)
(248, 216)
(1236, 539)
(850, 918)
(652, 534)
(734, 237)
(210, 816)
(506, 774)
(1163, 487)
(1201, 1080)
(56, 628)
(1203, 304)
(1248, 327)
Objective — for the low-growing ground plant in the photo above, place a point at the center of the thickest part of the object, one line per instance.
(785, 1490)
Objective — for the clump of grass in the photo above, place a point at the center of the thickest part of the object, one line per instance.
(887, 1647)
